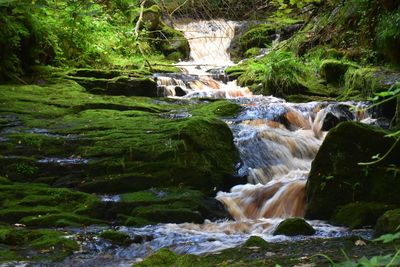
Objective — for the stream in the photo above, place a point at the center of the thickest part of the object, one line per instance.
(277, 142)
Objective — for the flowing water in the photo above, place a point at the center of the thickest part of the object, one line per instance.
(277, 142)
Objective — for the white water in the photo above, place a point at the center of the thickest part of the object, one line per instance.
(209, 42)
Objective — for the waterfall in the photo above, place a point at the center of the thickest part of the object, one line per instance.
(209, 42)
(277, 141)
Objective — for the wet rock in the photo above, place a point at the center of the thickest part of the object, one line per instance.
(142, 238)
(335, 114)
(293, 227)
(336, 171)
(116, 237)
(24, 245)
(179, 91)
(359, 214)
(128, 86)
(388, 223)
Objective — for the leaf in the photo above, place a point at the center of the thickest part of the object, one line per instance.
(388, 238)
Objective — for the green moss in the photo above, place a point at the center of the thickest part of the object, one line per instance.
(293, 227)
(136, 221)
(255, 241)
(281, 74)
(132, 142)
(172, 43)
(163, 257)
(174, 213)
(43, 244)
(40, 205)
(256, 36)
(333, 71)
(335, 170)
(220, 108)
(364, 82)
(389, 222)
(116, 237)
(359, 214)
(252, 52)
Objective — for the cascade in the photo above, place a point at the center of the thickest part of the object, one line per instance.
(277, 140)
(209, 42)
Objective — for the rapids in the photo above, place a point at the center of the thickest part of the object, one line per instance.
(277, 142)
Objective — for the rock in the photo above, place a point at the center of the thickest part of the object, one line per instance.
(251, 35)
(359, 214)
(333, 70)
(116, 237)
(172, 43)
(161, 258)
(255, 241)
(365, 82)
(152, 17)
(123, 85)
(335, 114)
(293, 227)
(389, 222)
(335, 170)
(51, 245)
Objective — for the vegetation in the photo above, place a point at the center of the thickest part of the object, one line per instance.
(81, 116)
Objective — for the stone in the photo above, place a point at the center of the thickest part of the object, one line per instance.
(293, 227)
(389, 222)
(336, 170)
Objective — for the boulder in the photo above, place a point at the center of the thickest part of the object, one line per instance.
(336, 170)
(333, 70)
(359, 214)
(389, 222)
(335, 114)
(116, 237)
(172, 43)
(293, 227)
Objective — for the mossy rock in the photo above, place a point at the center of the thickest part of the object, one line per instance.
(152, 17)
(172, 43)
(254, 36)
(336, 170)
(163, 257)
(120, 85)
(168, 214)
(116, 237)
(118, 144)
(333, 71)
(42, 244)
(359, 214)
(389, 222)
(39, 205)
(252, 52)
(364, 82)
(293, 227)
(255, 241)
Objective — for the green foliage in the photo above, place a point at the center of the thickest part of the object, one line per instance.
(74, 33)
(388, 35)
(284, 8)
(385, 260)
